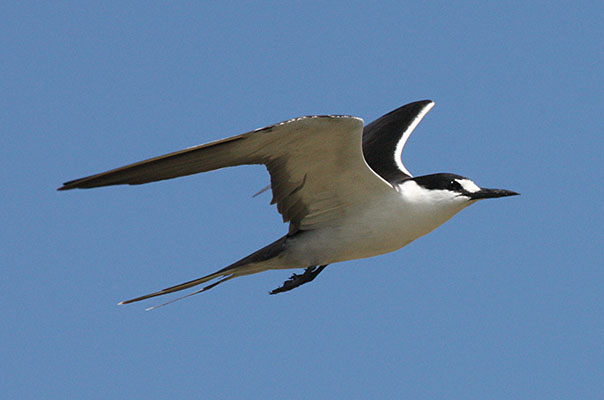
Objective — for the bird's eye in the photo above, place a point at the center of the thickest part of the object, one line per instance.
(454, 185)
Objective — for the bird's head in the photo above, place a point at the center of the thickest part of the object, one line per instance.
(457, 187)
(438, 197)
(431, 200)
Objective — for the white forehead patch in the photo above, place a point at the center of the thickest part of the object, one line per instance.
(468, 185)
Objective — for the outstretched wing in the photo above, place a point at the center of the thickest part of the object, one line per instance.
(385, 138)
(316, 165)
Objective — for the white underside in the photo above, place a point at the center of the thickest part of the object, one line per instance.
(380, 224)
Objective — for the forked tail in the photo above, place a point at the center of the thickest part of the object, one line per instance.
(246, 266)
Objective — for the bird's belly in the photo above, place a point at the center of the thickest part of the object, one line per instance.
(369, 235)
(377, 228)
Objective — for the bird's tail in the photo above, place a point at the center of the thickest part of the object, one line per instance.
(246, 266)
(185, 285)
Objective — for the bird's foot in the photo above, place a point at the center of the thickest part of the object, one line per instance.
(296, 280)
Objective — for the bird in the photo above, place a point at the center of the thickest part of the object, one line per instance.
(341, 185)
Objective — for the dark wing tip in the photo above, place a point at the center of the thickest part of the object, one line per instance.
(68, 185)
(83, 183)
(411, 108)
(384, 139)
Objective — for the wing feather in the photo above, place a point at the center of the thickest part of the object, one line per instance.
(317, 168)
(385, 138)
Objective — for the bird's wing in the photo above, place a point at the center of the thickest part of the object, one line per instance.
(385, 138)
(316, 165)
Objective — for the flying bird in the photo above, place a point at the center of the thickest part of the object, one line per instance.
(342, 187)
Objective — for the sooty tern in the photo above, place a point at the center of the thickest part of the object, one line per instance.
(342, 187)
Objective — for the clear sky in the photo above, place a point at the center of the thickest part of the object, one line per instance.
(505, 301)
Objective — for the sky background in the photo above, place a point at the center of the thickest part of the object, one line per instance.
(505, 301)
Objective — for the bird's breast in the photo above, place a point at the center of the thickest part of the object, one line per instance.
(379, 225)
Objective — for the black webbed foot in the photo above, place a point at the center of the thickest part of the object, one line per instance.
(296, 280)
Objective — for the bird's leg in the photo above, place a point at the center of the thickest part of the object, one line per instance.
(296, 280)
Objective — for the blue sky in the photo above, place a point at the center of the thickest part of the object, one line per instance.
(504, 301)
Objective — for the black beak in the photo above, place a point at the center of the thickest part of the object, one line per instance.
(491, 194)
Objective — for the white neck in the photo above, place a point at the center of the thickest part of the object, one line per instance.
(429, 209)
